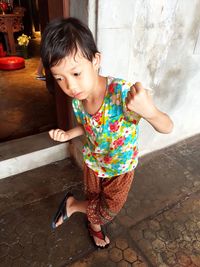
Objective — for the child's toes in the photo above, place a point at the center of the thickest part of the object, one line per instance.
(106, 241)
(59, 222)
(102, 243)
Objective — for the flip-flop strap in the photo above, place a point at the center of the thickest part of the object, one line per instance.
(98, 234)
(63, 211)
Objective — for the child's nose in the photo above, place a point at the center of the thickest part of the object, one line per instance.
(72, 89)
(71, 85)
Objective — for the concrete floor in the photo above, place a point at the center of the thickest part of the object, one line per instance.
(26, 106)
(159, 225)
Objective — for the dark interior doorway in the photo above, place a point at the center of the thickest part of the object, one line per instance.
(29, 106)
(26, 105)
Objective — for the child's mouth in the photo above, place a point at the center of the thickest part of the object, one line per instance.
(78, 95)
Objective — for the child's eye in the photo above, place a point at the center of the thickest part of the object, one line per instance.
(58, 78)
(77, 74)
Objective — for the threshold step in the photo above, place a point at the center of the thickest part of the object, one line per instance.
(20, 155)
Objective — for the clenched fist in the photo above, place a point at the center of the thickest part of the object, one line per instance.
(140, 101)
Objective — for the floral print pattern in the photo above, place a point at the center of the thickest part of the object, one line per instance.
(111, 134)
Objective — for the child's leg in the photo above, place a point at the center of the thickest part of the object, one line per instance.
(105, 198)
(92, 186)
(40, 69)
(107, 203)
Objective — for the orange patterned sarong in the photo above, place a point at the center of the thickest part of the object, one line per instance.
(106, 196)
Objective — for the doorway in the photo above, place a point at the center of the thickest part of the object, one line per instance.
(26, 105)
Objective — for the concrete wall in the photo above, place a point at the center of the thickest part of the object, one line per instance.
(79, 9)
(155, 42)
(86, 11)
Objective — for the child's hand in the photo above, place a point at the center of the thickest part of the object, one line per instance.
(139, 101)
(59, 135)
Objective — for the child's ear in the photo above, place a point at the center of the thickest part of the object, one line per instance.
(96, 61)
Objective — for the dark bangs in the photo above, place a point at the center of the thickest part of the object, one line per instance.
(63, 37)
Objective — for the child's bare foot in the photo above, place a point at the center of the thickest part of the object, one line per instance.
(96, 233)
(69, 210)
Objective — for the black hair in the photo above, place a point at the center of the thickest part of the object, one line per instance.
(63, 37)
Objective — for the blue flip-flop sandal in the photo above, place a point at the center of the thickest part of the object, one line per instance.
(61, 212)
(41, 77)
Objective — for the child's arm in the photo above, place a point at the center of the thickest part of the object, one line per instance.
(63, 136)
(139, 101)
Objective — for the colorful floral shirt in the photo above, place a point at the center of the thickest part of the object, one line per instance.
(111, 134)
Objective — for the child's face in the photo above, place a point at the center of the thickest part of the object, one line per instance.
(77, 76)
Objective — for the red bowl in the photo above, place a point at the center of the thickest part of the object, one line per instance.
(11, 63)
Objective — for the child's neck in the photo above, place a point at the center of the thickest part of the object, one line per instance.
(95, 101)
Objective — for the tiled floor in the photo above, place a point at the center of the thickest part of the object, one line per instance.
(159, 226)
(26, 106)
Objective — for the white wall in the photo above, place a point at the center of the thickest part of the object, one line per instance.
(155, 42)
(79, 9)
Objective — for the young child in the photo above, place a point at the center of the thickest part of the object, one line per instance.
(108, 111)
